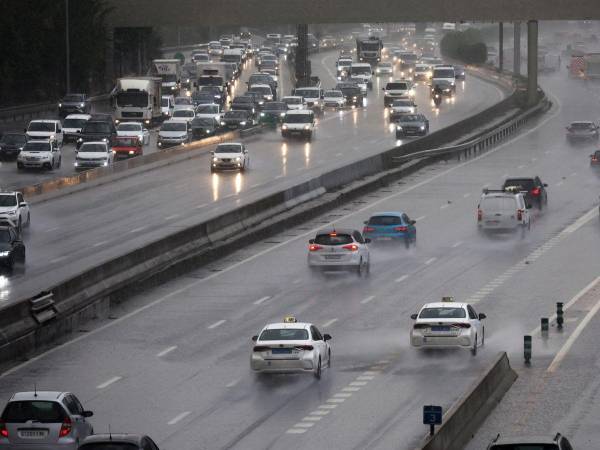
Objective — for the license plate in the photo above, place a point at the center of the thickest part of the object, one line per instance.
(384, 238)
(333, 256)
(281, 351)
(33, 434)
(440, 328)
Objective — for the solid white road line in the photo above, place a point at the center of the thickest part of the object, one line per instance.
(262, 300)
(166, 351)
(108, 382)
(329, 323)
(233, 383)
(456, 244)
(216, 324)
(179, 418)
(582, 221)
(467, 195)
(367, 300)
(59, 259)
(135, 230)
(296, 431)
(418, 219)
(401, 279)
(98, 244)
(430, 260)
(202, 205)
(174, 216)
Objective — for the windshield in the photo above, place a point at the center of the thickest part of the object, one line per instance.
(185, 113)
(96, 128)
(333, 94)
(8, 200)
(210, 81)
(292, 101)
(411, 118)
(169, 78)
(345, 63)
(243, 100)
(164, 102)
(37, 147)
(298, 118)
(36, 411)
(228, 149)
(109, 446)
(267, 64)
(173, 126)
(260, 90)
(74, 123)
(275, 106)
(333, 239)
(373, 47)
(203, 122)
(92, 148)
(443, 73)
(582, 126)
(443, 313)
(129, 127)
(360, 70)
(349, 90)
(259, 79)
(525, 184)
(73, 98)
(13, 139)
(41, 126)
(207, 109)
(307, 93)
(401, 86)
(236, 114)
(137, 99)
(385, 220)
(182, 101)
(284, 334)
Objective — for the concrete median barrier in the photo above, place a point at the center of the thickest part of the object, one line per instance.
(468, 413)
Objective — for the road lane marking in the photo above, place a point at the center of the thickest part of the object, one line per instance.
(350, 389)
(216, 324)
(108, 382)
(402, 278)
(365, 378)
(304, 425)
(560, 183)
(358, 383)
(581, 221)
(280, 176)
(521, 166)
(296, 281)
(444, 206)
(328, 407)
(329, 323)
(166, 351)
(430, 260)
(98, 244)
(179, 418)
(367, 300)
(336, 400)
(201, 205)
(51, 229)
(135, 230)
(467, 195)
(320, 412)
(456, 244)
(262, 300)
(342, 395)
(233, 383)
(296, 431)
(174, 216)
(418, 219)
(312, 418)
(59, 259)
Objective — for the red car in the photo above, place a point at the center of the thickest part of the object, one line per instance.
(127, 147)
(595, 158)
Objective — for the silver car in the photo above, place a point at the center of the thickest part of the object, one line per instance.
(44, 421)
(503, 210)
(339, 249)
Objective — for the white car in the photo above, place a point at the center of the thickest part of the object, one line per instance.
(14, 210)
(402, 106)
(39, 155)
(94, 154)
(384, 68)
(503, 210)
(45, 129)
(290, 347)
(72, 126)
(209, 111)
(448, 324)
(299, 122)
(187, 114)
(167, 103)
(230, 156)
(312, 97)
(362, 73)
(294, 102)
(397, 89)
(334, 99)
(339, 249)
(174, 132)
(134, 129)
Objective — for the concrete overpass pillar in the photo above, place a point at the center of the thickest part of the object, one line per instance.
(109, 71)
(532, 61)
(302, 62)
(517, 49)
(501, 46)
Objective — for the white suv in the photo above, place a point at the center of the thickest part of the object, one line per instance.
(503, 210)
(45, 129)
(40, 155)
(14, 209)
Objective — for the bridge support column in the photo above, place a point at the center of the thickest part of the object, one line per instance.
(302, 62)
(109, 71)
(532, 61)
(501, 46)
(517, 49)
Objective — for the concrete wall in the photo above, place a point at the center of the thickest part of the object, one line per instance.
(141, 13)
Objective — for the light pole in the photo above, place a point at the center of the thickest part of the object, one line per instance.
(68, 63)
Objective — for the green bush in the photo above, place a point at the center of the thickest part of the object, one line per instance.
(466, 46)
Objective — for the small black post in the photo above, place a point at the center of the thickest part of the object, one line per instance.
(431, 429)
(527, 349)
(560, 316)
(545, 324)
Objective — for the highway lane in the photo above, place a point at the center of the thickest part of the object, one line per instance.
(111, 219)
(173, 362)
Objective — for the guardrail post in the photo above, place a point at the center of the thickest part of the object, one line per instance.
(544, 326)
(527, 349)
(559, 315)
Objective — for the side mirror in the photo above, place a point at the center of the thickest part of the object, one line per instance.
(482, 316)
(23, 204)
(546, 184)
(87, 413)
(254, 338)
(24, 130)
(326, 337)
(311, 241)
(367, 241)
(412, 222)
(414, 316)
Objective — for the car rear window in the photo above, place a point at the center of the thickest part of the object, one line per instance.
(525, 447)
(385, 220)
(582, 126)
(498, 204)
(333, 239)
(443, 313)
(525, 184)
(284, 334)
(40, 411)
(402, 86)
(109, 446)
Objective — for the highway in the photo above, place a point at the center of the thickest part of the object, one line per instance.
(173, 362)
(75, 232)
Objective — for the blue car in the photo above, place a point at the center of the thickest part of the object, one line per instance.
(391, 226)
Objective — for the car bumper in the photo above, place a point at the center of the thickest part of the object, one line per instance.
(35, 164)
(408, 133)
(386, 237)
(165, 143)
(9, 153)
(227, 166)
(582, 136)
(417, 340)
(260, 365)
(12, 220)
(345, 262)
(31, 446)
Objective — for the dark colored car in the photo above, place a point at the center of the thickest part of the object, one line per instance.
(459, 72)
(262, 78)
(12, 248)
(582, 130)
(594, 158)
(273, 113)
(244, 103)
(559, 442)
(352, 93)
(73, 103)
(411, 125)
(204, 127)
(237, 119)
(11, 145)
(115, 441)
(202, 98)
(97, 131)
(536, 190)
(102, 117)
(219, 95)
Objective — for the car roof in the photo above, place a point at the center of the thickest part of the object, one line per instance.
(259, 85)
(336, 230)
(300, 112)
(289, 326)
(582, 122)
(44, 121)
(78, 116)
(38, 141)
(38, 395)
(525, 440)
(388, 213)
(222, 144)
(292, 96)
(93, 142)
(114, 437)
(445, 305)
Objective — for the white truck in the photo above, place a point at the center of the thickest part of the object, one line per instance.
(169, 70)
(137, 99)
(221, 69)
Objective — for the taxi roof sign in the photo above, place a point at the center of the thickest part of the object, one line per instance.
(289, 319)
(447, 299)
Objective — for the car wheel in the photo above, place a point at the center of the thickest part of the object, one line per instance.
(59, 163)
(28, 219)
(329, 359)
(483, 336)
(474, 349)
(20, 166)
(318, 371)
(359, 268)
(10, 265)
(20, 226)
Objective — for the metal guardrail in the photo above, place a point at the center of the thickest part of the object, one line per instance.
(480, 143)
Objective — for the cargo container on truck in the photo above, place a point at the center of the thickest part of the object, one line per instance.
(137, 99)
(169, 70)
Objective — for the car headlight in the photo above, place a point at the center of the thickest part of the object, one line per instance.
(222, 122)
(411, 92)
(378, 70)
(76, 164)
(306, 127)
(422, 127)
(355, 98)
(262, 114)
(173, 88)
(238, 159)
(452, 84)
(399, 128)
(82, 105)
(104, 140)
(215, 159)
(282, 114)
(243, 123)
(188, 94)
(284, 127)
(20, 148)
(105, 163)
(11, 213)
(131, 152)
(60, 105)
(4, 253)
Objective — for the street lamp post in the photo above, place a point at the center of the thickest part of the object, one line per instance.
(68, 63)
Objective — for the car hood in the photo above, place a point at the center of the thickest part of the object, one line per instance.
(91, 155)
(234, 119)
(5, 209)
(208, 116)
(333, 99)
(172, 134)
(42, 134)
(228, 155)
(411, 124)
(70, 103)
(129, 133)
(4, 247)
(30, 153)
(71, 130)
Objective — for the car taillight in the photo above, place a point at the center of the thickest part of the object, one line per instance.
(66, 427)
(368, 229)
(304, 347)
(351, 247)
(3, 430)
(314, 247)
(461, 325)
(403, 228)
(260, 348)
(519, 214)
(479, 215)
(535, 191)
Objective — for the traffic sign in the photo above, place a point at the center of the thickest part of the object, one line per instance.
(432, 415)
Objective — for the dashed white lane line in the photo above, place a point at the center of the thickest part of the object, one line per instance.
(457, 244)
(358, 383)
(365, 378)
(98, 244)
(59, 259)
(108, 382)
(560, 183)
(467, 195)
(201, 205)
(401, 279)
(166, 351)
(430, 260)
(445, 205)
(296, 431)
(319, 412)
(581, 221)
(232, 383)
(280, 176)
(521, 166)
(367, 299)
(49, 230)
(342, 395)
(339, 154)
(216, 324)
(312, 418)
(350, 389)
(328, 407)
(135, 230)
(171, 217)
(262, 300)
(336, 400)
(418, 219)
(329, 323)
(178, 418)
